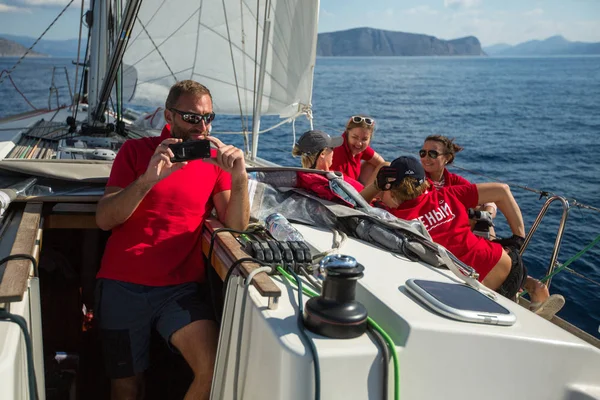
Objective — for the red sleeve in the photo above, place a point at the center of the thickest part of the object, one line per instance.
(466, 194)
(367, 154)
(123, 171)
(456, 180)
(223, 181)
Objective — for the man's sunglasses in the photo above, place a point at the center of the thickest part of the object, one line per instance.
(192, 118)
(357, 119)
(431, 153)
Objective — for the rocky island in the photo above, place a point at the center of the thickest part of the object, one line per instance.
(8, 48)
(367, 42)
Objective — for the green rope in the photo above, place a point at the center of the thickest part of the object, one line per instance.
(566, 264)
(388, 339)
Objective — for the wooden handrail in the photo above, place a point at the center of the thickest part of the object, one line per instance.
(226, 251)
(15, 273)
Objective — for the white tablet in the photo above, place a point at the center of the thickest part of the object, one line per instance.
(460, 302)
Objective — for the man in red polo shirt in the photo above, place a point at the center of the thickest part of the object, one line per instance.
(152, 266)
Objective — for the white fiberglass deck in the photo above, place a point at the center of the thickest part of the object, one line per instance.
(439, 358)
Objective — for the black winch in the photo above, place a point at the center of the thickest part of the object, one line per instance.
(335, 313)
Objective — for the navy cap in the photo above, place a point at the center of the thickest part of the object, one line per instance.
(408, 167)
(312, 142)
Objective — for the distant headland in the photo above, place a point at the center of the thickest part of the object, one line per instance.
(367, 42)
(8, 48)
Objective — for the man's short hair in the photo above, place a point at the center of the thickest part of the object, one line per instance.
(185, 87)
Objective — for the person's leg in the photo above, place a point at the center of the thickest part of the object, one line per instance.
(515, 279)
(131, 388)
(197, 342)
(496, 277)
(124, 323)
(538, 292)
(187, 323)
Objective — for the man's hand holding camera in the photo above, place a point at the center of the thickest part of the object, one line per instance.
(229, 158)
(160, 165)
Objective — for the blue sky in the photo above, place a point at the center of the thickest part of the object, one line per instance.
(492, 21)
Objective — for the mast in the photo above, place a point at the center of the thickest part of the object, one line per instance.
(129, 16)
(256, 113)
(98, 54)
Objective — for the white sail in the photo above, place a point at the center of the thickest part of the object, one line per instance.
(217, 43)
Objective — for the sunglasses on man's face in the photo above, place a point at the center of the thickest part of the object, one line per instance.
(357, 119)
(431, 153)
(194, 119)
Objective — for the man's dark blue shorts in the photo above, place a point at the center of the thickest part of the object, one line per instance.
(127, 313)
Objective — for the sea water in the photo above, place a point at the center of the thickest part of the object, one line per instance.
(530, 122)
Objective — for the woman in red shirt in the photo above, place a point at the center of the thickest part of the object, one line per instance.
(437, 152)
(407, 195)
(315, 149)
(356, 148)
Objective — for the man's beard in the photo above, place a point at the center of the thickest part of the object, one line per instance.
(186, 134)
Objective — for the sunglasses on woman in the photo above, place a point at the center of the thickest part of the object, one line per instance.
(431, 153)
(195, 119)
(357, 119)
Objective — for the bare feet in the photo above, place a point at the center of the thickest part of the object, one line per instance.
(538, 292)
(542, 303)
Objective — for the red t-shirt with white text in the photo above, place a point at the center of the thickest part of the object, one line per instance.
(159, 244)
(444, 214)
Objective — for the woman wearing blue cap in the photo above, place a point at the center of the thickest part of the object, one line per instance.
(407, 195)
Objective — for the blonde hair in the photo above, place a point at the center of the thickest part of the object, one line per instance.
(362, 124)
(307, 160)
(408, 189)
(185, 87)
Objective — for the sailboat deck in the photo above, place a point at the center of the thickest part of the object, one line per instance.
(40, 141)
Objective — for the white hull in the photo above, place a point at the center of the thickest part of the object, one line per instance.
(439, 358)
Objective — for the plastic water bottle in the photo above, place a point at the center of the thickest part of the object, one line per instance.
(281, 229)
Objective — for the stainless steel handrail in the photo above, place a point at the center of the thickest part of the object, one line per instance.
(559, 235)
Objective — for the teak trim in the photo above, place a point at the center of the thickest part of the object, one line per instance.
(226, 250)
(17, 272)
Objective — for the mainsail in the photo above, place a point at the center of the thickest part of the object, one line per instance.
(220, 43)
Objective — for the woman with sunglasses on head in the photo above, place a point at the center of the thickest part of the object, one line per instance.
(407, 195)
(356, 148)
(437, 152)
(315, 149)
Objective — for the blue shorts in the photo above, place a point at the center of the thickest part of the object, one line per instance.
(127, 313)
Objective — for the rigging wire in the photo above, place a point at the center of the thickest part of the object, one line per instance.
(197, 38)
(567, 263)
(255, 82)
(244, 75)
(16, 88)
(37, 40)
(237, 86)
(77, 62)
(85, 57)
(156, 48)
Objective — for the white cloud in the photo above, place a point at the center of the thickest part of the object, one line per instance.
(46, 3)
(5, 8)
(534, 12)
(389, 12)
(456, 4)
(420, 10)
(324, 13)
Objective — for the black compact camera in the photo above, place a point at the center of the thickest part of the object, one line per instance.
(190, 150)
